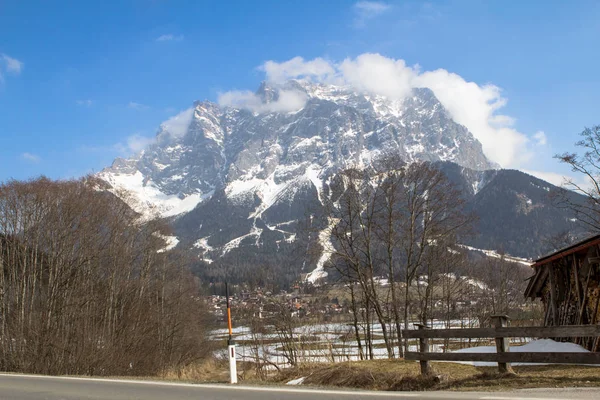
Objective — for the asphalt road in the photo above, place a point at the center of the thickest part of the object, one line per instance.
(28, 387)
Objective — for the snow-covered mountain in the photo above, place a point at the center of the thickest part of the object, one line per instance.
(245, 151)
(233, 178)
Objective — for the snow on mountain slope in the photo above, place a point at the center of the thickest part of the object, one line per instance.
(494, 254)
(146, 198)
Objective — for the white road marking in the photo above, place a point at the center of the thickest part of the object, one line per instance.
(515, 398)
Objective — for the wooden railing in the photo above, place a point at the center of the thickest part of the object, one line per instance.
(501, 332)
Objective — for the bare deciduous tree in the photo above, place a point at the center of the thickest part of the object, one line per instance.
(86, 286)
(586, 164)
(394, 221)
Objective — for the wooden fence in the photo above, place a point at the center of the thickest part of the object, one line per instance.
(501, 332)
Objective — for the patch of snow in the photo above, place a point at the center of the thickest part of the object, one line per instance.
(203, 244)
(269, 192)
(298, 381)
(171, 243)
(493, 254)
(475, 283)
(524, 197)
(312, 174)
(537, 346)
(415, 149)
(449, 275)
(546, 188)
(325, 241)
(172, 149)
(187, 204)
(241, 187)
(308, 142)
(381, 281)
(349, 133)
(235, 243)
(286, 222)
(159, 165)
(478, 185)
(232, 244)
(148, 199)
(367, 156)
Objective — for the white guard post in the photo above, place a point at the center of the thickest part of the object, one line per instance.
(232, 364)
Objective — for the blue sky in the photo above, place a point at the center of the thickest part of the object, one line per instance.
(82, 82)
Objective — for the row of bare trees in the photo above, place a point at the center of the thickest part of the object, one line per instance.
(86, 286)
(394, 230)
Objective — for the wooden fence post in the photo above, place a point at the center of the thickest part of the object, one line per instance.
(502, 344)
(424, 348)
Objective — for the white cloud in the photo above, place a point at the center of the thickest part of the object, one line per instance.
(9, 65)
(12, 64)
(31, 157)
(137, 106)
(288, 100)
(371, 8)
(478, 107)
(318, 68)
(132, 145)
(137, 143)
(178, 125)
(84, 103)
(366, 10)
(560, 179)
(377, 74)
(541, 138)
(169, 37)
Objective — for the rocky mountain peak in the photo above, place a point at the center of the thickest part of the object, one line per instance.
(267, 93)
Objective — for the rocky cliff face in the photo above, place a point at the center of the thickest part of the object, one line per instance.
(234, 179)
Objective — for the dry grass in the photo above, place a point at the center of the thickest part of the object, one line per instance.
(373, 375)
(216, 370)
(397, 375)
(208, 371)
(548, 376)
(404, 375)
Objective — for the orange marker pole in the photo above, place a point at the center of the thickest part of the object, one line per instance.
(228, 310)
(229, 321)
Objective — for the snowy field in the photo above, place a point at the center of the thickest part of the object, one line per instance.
(327, 342)
(337, 342)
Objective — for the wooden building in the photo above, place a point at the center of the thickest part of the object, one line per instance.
(568, 284)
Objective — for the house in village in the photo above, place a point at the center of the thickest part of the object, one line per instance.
(568, 284)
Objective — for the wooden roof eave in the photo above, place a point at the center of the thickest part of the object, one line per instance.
(595, 240)
(536, 283)
(529, 287)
